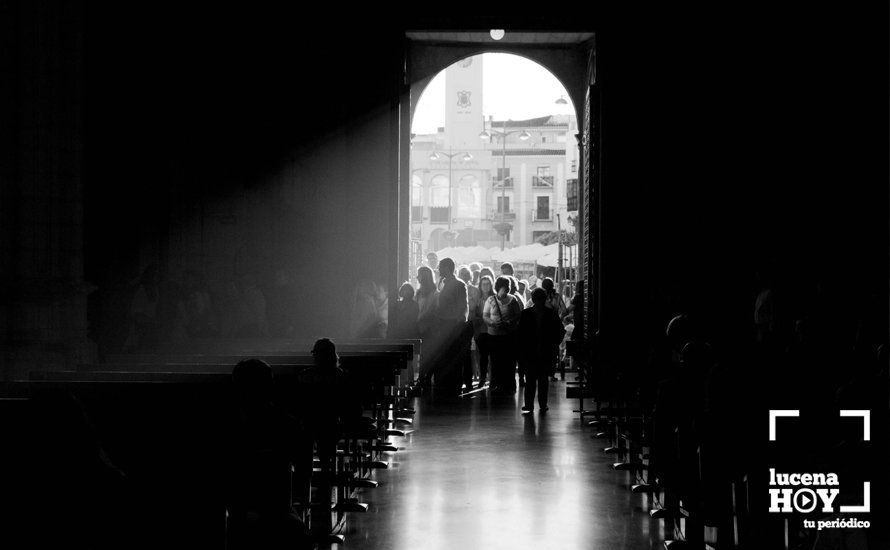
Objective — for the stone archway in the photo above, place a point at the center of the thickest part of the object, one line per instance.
(572, 60)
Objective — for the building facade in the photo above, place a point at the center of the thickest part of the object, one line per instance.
(509, 187)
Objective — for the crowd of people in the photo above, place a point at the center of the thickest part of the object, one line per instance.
(479, 328)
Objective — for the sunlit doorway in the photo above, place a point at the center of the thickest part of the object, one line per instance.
(494, 166)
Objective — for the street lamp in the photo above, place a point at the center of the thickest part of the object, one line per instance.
(436, 155)
(502, 135)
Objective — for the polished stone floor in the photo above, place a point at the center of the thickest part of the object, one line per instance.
(476, 473)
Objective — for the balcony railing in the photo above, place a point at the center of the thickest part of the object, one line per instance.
(497, 215)
(542, 215)
(542, 181)
(508, 182)
(439, 214)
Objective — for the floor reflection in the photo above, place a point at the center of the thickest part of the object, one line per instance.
(476, 473)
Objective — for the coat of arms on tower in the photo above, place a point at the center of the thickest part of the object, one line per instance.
(463, 99)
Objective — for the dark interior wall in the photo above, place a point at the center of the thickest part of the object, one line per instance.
(42, 291)
(746, 142)
(233, 142)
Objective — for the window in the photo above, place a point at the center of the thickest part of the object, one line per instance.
(416, 198)
(439, 191)
(542, 177)
(504, 173)
(572, 194)
(469, 197)
(538, 234)
(542, 212)
(503, 204)
(439, 208)
(439, 214)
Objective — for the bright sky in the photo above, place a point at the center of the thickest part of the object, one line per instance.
(513, 87)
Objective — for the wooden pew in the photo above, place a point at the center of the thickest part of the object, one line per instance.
(118, 399)
(398, 359)
(261, 346)
(254, 345)
(375, 372)
(379, 369)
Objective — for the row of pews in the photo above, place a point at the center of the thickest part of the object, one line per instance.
(669, 456)
(162, 424)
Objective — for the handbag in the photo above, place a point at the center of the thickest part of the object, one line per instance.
(500, 313)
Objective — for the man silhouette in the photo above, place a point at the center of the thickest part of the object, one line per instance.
(540, 332)
(452, 314)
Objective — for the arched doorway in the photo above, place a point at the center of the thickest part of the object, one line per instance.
(568, 58)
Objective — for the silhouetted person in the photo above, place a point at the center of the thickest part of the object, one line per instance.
(554, 300)
(474, 315)
(519, 363)
(506, 269)
(524, 292)
(331, 409)
(501, 316)
(432, 262)
(476, 270)
(670, 402)
(562, 359)
(576, 309)
(514, 289)
(480, 330)
(540, 333)
(330, 406)
(452, 313)
(404, 325)
(265, 443)
(427, 323)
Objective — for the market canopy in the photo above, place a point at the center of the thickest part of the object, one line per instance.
(536, 253)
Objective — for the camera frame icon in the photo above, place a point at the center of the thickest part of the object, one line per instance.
(775, 414)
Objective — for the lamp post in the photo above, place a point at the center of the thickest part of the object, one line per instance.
(435, 155)
(559, 272)
(502, 135)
